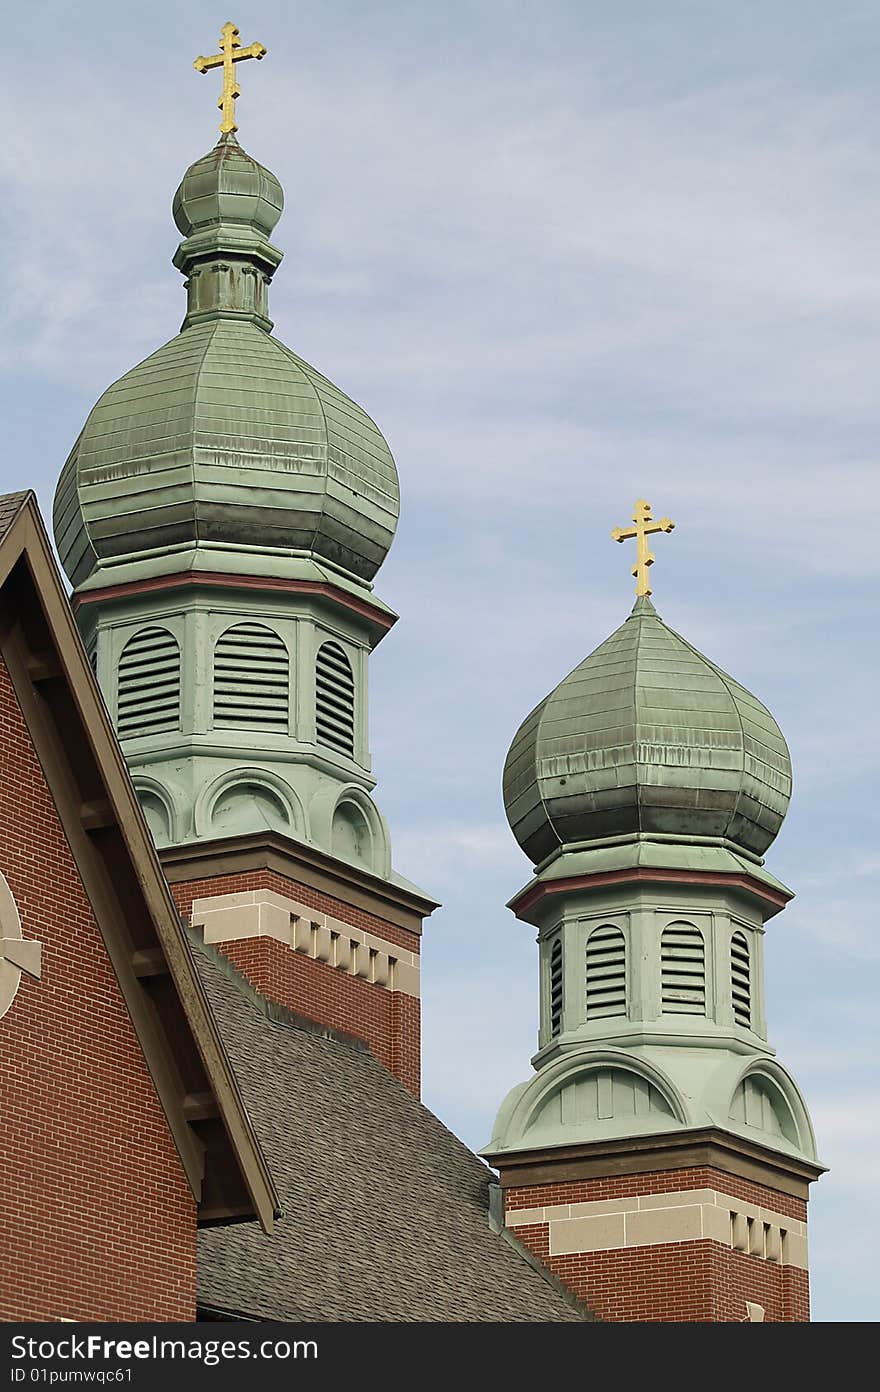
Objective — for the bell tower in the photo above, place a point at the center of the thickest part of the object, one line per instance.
(659, 1158)
(222, 517)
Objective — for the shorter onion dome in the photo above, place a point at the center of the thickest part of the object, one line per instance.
(647, 736)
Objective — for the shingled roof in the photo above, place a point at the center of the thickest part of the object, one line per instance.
(385, 1211)
(10, 506)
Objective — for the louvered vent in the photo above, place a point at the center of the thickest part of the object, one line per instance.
(148, 689)
(93, 656)
(251, 679)
(606, 973)
(741, 980)
(556, 987)
(334, 699)
(683, 970)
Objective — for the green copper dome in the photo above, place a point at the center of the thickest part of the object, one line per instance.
(227, 186)
(649, 736)
(224, 436)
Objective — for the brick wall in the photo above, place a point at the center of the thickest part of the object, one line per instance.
(656, 1182)
(678, 1282)
(389, 1022)
(672, 1281)
(189, 890)
(98, 1220)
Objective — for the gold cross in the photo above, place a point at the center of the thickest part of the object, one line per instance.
(231, 52)
(645, 525)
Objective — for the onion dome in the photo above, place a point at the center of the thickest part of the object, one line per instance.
(647, 736)
(227, 188)
(224, 436)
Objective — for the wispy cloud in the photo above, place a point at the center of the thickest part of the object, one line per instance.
(565, 255)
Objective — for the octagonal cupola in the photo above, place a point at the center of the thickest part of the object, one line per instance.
(645, 790)
(221, 517)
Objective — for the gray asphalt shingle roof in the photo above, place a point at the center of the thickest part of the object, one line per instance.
(386, 1212)
(10, 506)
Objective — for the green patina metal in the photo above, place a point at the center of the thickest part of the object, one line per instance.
(214, 696)
(647, 735)
(225, 457)
(225, 435)
(226, 188)
(645, 788)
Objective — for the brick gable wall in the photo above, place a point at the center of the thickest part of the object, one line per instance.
(99, 1222)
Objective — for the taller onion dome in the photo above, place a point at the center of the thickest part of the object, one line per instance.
(647, 736)
(224, 438)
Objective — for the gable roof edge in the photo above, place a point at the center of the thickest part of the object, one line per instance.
(212, 1130)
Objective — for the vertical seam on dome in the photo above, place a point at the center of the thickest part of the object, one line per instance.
(304, 368)
(547, 818)
(641, 618)
(725, 680)
(212, 330)
(73, 460)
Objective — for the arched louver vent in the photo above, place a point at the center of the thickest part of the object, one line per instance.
(251, 679)
(334, 699)
(93, 656)
(606, 973)
(556, 987)
(683, 970)
(148, 688)
(741, 980)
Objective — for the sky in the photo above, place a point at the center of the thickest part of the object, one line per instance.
(566, 254)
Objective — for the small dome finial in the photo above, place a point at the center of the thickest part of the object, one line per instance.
(231, 52)
(644, 527)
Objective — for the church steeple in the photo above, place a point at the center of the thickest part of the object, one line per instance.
(222, 517)
(645, 789)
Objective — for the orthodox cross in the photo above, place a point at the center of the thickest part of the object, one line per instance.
(645, 525)
(231, 52)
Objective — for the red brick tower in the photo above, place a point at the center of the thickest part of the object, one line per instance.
(659, 1159)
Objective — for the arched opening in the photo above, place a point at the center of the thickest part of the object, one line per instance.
(606, 973)
(741, 980)
(251, 679)
(156, 815)
(246, 807)
(148, 684)
(683, 970)
(759, 1103)
(351, 838)
(556, 986)
(334, 699)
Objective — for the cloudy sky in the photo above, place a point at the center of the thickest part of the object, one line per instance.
(566, 254)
